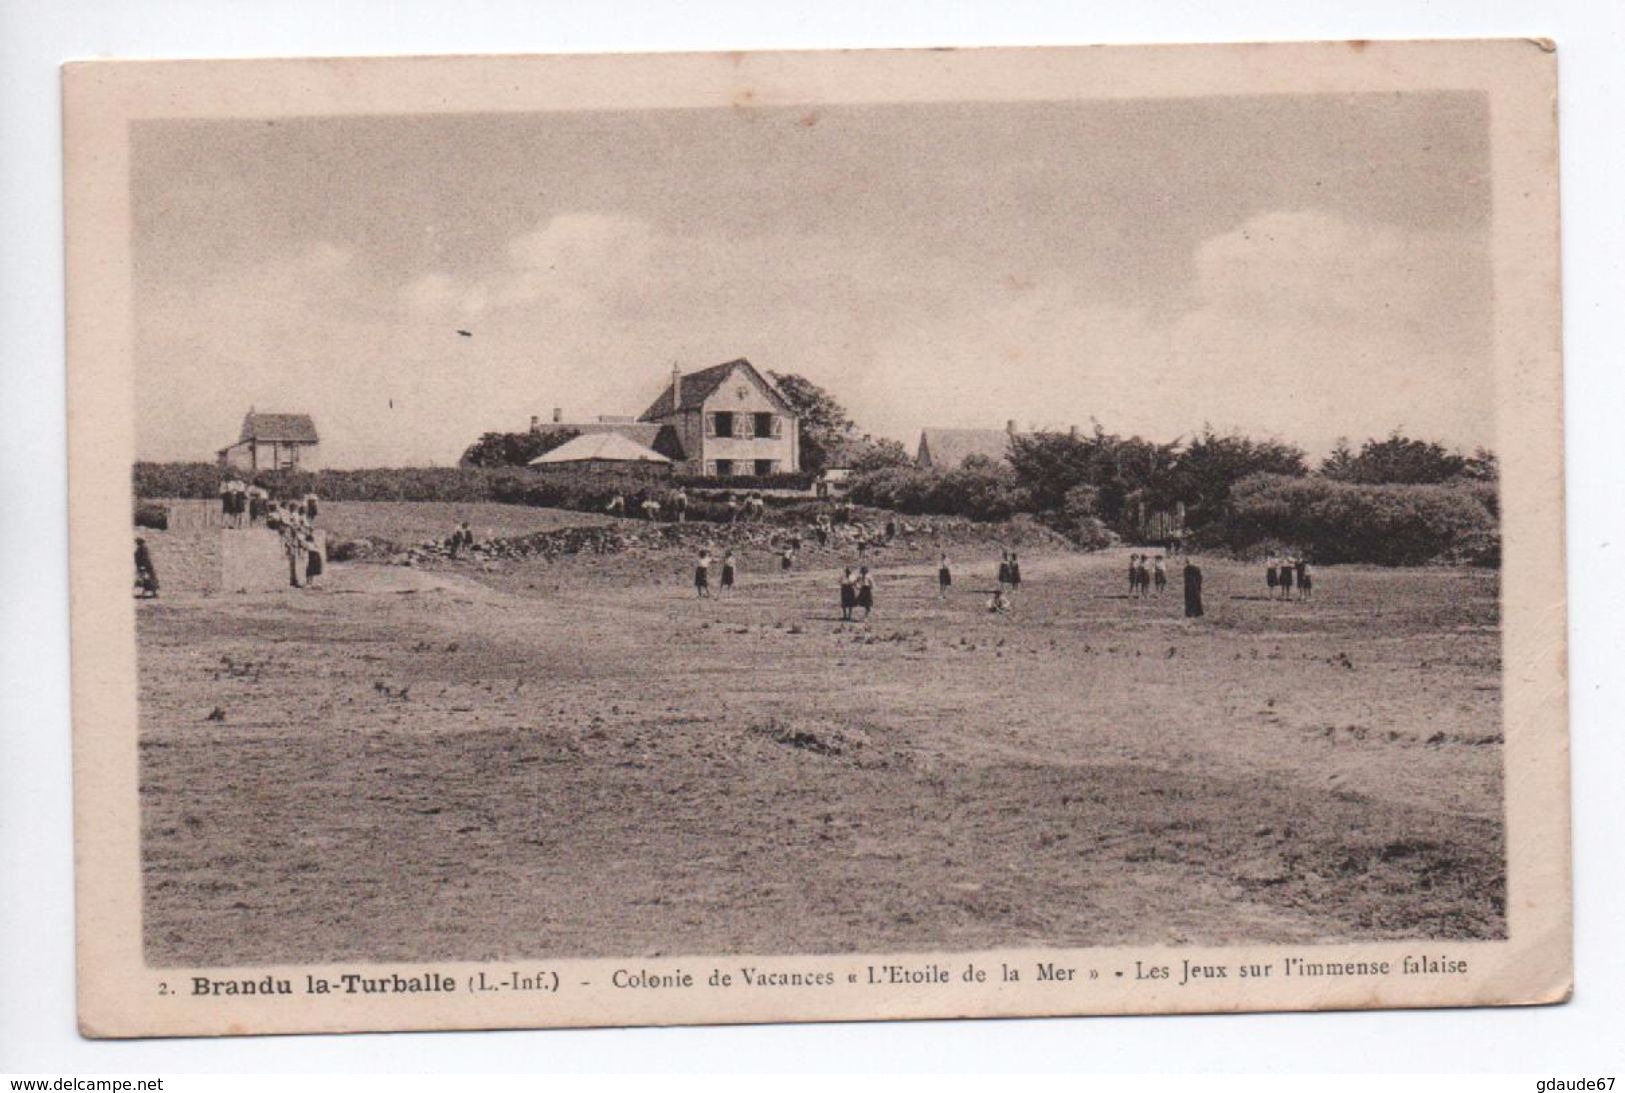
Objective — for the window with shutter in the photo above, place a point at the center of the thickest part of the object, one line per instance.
(710, 424)
(778, 426)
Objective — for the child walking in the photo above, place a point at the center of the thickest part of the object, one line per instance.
(866, 591)
(702, 575)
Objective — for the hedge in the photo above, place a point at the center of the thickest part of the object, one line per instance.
(1344, 522)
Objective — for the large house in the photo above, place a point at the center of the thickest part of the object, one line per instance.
(725, 421)
(273, 442)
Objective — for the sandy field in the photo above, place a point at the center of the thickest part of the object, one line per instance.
(528, 758)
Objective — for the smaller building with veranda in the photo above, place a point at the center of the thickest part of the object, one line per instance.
(273, 442)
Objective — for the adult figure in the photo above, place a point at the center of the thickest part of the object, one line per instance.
(145, 574)
(1193, 589)
(313, 559)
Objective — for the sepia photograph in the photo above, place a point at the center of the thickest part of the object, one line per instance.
(716, 541)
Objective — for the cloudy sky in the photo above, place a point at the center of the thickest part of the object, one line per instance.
(1304, 267)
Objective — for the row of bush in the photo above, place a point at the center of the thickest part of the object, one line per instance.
(581, 491)
(202, 480)
(1346, 522)
(462, 484)
(979, 491)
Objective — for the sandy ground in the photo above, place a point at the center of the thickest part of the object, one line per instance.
(542, 759)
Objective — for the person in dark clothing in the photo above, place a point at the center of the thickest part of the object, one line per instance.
(728, 570)
(313, 560)
(866, 591)
(1193, 590)
(945, 577)
(849, 594)
(702, 575)
(1133, 574)
(1015, 572)
(1004, 569)
(1159, 573)
(145, 575)
(1305, 581)
(1142, 575)
(1287, 572)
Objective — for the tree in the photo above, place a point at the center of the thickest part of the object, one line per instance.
(514, 449)
(1339, 465)
(1050, 464)
(1401, 460)
(825, 427)
(872, 454)
(1212, 464)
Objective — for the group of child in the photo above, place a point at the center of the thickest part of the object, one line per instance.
(1146, 572)
(243, 505)
(1281, 573)
(295, 522)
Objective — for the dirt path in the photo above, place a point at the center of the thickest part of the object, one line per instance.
(536, 759)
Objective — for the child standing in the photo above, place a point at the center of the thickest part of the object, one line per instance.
(1159, 573)
(849, 594)
(945, 576)
(728, 570)
(1015, 572)
(702, 575)
(866, 591)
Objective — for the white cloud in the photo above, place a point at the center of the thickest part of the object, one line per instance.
(1303, 325)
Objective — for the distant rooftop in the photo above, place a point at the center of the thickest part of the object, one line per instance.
(285, 428)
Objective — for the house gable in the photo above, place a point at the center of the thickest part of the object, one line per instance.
(699, 388)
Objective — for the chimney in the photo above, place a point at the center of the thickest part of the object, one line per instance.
(1010, 426)
(558, 414)
(1072, 431)
(535, 423)
(676, 387)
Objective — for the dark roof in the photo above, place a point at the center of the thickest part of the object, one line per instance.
(698, 386)
(296, 428)
(948, 448)
(662, 438)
